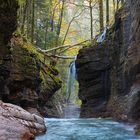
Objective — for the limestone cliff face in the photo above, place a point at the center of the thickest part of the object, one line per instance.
(108, 73)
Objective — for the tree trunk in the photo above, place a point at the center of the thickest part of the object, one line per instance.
(45, 45)
(117, 4)
(28, 18)
(114, 7)
(33, 21)
(91, 19)
(107, 12)
(101, 16)
(60, 19)
(24, 16)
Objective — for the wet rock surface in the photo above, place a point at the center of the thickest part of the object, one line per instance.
(18, 124)
(93, 67)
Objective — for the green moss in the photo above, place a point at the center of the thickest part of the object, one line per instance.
(29, 64)
(78, 102)
(56, 80)
(42, 77)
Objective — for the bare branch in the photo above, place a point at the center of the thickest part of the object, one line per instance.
(56, 48)
(76, 16)
(44, 52)
(62, 57)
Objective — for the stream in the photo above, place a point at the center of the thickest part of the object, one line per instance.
(71, 127)
(87, 129)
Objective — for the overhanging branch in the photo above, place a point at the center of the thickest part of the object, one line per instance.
(62, 57)
(55, 56)
(66, 47)
(61, 47)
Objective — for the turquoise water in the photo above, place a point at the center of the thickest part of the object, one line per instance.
(87, 129)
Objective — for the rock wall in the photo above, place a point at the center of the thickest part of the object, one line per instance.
(108, 73)
(125, 89)
(132, 66)
(93, 66)
(25, 78)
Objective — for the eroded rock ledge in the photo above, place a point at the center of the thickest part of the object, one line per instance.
(18, 124)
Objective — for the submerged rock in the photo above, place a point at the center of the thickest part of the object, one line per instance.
(18, 124)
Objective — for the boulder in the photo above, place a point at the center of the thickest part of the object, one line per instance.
(18, 124)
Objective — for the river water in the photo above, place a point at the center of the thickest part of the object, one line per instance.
(83, 129)
(87, 129)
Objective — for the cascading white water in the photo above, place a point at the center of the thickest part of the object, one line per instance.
(71, 110)
(71, 81)
(102, 36)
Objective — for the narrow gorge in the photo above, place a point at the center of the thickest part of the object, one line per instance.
(88, 90)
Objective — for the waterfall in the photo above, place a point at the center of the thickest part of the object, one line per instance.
(71, 81)
(71, 109)
(102, 36)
